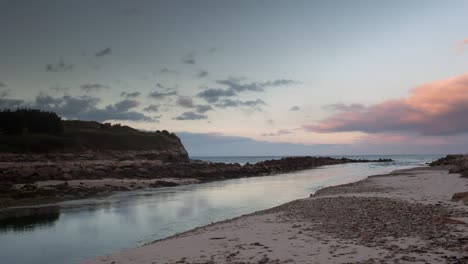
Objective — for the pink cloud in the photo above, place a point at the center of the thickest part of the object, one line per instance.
(462, 45)
(436, 108)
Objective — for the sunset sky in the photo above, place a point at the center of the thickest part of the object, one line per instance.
(248, 77)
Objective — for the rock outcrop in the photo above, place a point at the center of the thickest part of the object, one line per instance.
(24, 182)
(454, 163)
(138, 168)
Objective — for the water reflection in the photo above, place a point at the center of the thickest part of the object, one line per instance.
(28, 219)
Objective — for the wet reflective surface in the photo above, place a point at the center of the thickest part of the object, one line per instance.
(81, 229)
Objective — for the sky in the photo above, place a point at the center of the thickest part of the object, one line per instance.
(248, 77)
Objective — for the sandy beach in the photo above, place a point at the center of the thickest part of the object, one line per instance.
(407, 216)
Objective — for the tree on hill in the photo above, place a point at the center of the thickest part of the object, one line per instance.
(26, 121)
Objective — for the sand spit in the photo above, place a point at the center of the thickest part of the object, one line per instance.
(404, 217)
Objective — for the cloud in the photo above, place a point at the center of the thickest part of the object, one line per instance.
(59, 88)
(191, 116)
(212, 95)
(343, 107)
(239, 103)
(6, 103)
(168, 71)
(93, 87)
(3, 85)
(185, 101)
(277, 133)
(462, 45)
(436, 108)
(130, 95)
(236, 86)
(161, 95)
(212, 50)
(126, 105)
(84, 108)
(151, 108)
(103, 52)
(189, 59)
(202, 74)
(60, 66)
(295, 108)
(4, 93)
(203, 108)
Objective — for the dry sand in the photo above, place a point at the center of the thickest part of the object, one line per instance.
(403, 217)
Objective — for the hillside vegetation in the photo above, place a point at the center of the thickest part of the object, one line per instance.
(27, 130)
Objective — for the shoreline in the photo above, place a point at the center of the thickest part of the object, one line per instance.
(423, 211)
(36, 183)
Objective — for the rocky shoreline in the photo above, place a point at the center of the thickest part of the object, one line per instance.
(43, 178)
(408, 216)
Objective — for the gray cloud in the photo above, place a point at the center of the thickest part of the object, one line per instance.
(130, 95)
(295, 108)
(59, 88)
(168, 71)
(126, 105)
(80, 107)
(185, 101)
(202, 74)
(161, 95)
(189, 59)
(344, 107)
(103, 52)
(203, 108)
(235, 86)
(6, 103)
(86, 108)
(191, 116)
(226, 103)
(277, 133)
(2, 84)
(152, 108)
(212, 50)
(60, 66)
(4, 93)
(212, 95)
(93, 87)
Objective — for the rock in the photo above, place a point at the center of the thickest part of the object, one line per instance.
(459, 196)
(446, 220)
(157, 184)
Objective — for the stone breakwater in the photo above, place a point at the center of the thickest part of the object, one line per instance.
(20, 182)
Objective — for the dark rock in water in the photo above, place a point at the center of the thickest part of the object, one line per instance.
(157, 184)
